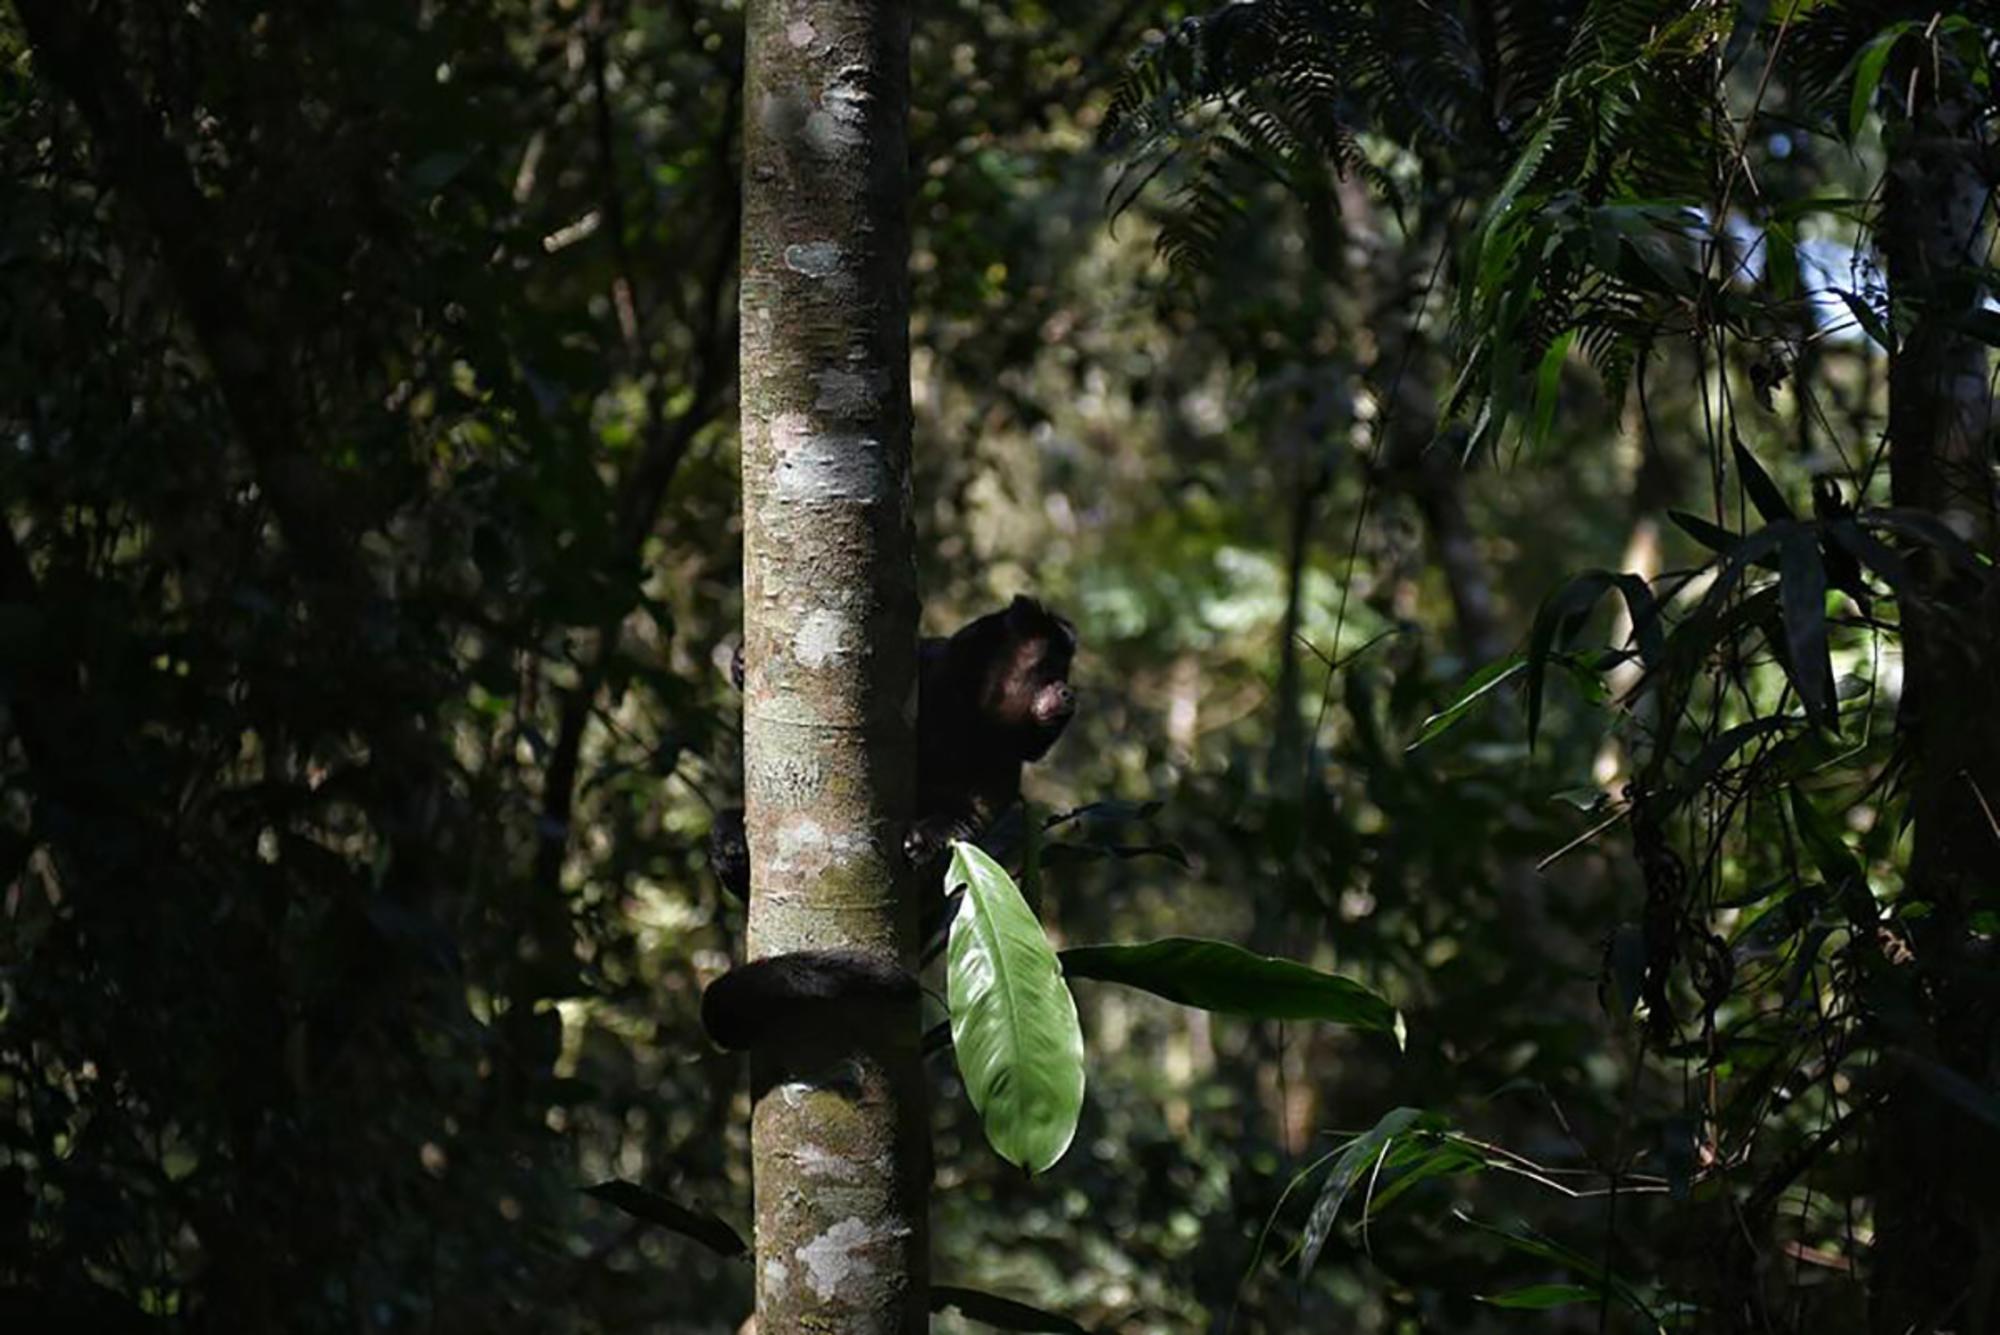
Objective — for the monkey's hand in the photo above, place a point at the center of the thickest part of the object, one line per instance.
(925, 844)
(729, 853)
(744, 1007)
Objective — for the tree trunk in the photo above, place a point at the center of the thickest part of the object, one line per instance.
(839, 1146)
(1937, 1230)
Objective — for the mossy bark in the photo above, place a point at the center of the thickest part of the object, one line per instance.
(839, 1144)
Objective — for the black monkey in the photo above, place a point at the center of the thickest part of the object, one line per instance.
(990, 698)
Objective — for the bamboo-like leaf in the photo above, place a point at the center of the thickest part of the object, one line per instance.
(1865, 548)
(1557, 614)
(1802, 604)
(1928, 528)
(1541, 1297)
(1781, 261)
(1014, 1029)
(1836, 863)
(1719, 749)
(1548, 388)
(1712, 536)
(1527, 1241)
(1764, 493)
(1868, 67)
(686, 1220)
(1359, 1157)
(1488, 679)
(1218, 976)
(1001, 1313)
(1870, 320)
(1564, 612)
(1968, 1094)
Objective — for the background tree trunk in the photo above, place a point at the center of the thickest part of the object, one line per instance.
(838, 1138)
(1938, 1228)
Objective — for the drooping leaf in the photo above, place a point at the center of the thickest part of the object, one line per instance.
(1358, 1158)
(1218, 976)
(1802, 604)
(687, 1220)
(1564, 613)
(1868, 67)
(1624, 970)
(1014, 1028)
(1968, 1094)
(1528, 1242)
(1764, 493)
(1870, 319)
(1001, 1313)
(1877, 556)
(1415, 1161)
(1548, 388)
(1719, 749)
(1712, 536)
(1559, 614)
(1836, 863)
(1920, 526)
(1750, 15)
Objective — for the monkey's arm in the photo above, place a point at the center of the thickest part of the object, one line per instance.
(729, 852)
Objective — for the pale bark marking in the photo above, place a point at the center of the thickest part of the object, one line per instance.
(840, 1254)
(822, 637)
(814, 259)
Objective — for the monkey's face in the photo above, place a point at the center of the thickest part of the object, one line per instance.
(1026, 691)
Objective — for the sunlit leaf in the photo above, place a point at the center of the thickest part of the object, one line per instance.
(1013, 1022)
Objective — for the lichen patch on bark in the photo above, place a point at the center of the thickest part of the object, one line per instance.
(848, 393)
(842, 1254)
(814, 259)
(833, 467)
(821, 637)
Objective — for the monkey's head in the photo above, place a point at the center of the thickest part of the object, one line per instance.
(1016, 664)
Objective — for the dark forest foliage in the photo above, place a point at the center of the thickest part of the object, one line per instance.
(1523, 481)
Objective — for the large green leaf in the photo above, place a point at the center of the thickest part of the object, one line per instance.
(1013, 1021)
(1217, 976)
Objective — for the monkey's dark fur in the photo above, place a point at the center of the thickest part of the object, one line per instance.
(743, 1005)
(990, 698)
(993, 697)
